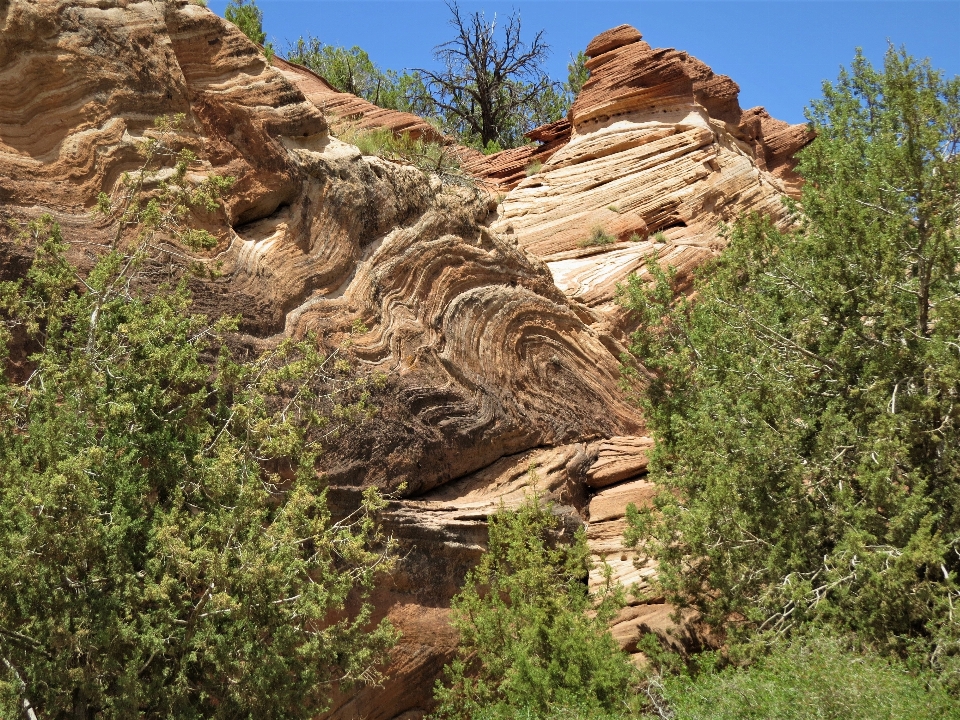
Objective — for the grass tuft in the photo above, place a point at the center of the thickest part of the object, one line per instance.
(598, 236)
(821, 678)
(430, 157)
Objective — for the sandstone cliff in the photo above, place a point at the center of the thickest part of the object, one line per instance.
(494, 325)
(659, 154)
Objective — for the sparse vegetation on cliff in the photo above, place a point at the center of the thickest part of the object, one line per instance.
(598, 237)
(430, 157)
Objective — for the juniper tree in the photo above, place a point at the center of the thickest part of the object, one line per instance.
(806, 403)
(528, 646)
(166, 548)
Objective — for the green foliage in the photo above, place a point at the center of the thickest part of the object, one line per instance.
(659, 237)
(351, 70)
(554, 713)
(491, 148)
(820, 678)
(166, 549)
(533, 168)
(430, 157)
(577, 75)
(806, 405)
(526, 642)
(159, 199)
(248, 17)
(598, 236)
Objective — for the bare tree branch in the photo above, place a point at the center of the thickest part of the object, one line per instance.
(488, 89)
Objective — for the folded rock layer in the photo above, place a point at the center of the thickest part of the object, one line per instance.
(493, 324)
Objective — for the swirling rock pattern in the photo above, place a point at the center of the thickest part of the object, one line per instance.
(493, 325)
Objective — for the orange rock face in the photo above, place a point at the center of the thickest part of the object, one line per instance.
(345, 105)
(659, 156)
(493, 324)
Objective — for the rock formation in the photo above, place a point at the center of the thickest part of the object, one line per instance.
(659, 155)
(493, 324)
(347, 106)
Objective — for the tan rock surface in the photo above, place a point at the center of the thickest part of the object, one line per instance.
(605, 530)
(619, 458)
(611, 503)
(658, 145)
(495, 331)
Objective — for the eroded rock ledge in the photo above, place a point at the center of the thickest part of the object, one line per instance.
(494, 326)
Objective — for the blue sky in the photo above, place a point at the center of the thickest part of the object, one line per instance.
(778, 51)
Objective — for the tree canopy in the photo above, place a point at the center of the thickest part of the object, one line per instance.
(806, 402)
(248, 17)
(351, 70)
(577, 75)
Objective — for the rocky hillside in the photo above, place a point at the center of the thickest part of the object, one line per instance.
(492, 319)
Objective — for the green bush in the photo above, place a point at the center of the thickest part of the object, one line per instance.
(166, 549)
(554, 713)
(351, 70)
(821, 679)
(806, 405)
(598, 237)
(248, 17)
(527, 644)
(430, 157)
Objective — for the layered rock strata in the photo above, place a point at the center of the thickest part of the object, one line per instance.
(492, 325)
(659, 156)
(346, 106)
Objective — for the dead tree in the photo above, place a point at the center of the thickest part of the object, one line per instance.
(488, 90)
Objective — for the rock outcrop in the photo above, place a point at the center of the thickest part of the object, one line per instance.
(347, 106)
(659, 155)
(493, 324)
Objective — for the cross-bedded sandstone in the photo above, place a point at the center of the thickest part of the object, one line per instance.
(494, 326)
